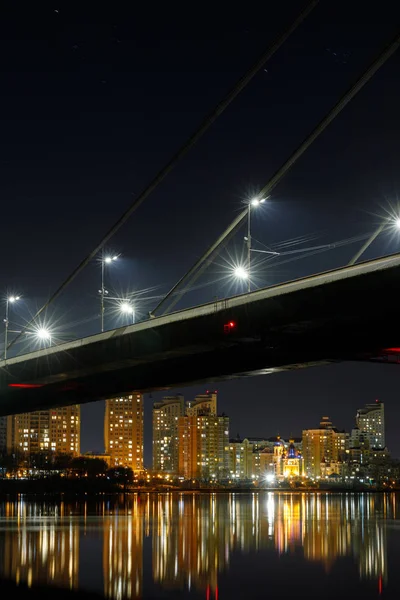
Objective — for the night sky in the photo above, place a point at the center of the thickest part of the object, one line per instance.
(93, 103)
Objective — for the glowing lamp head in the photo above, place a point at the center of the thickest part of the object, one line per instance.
(240, 273)
(397, 223)
(270, 478)
(257, 201)
(43, 334)
(13, 299)
(126, 308)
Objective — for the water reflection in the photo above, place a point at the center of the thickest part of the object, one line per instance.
(191, 539)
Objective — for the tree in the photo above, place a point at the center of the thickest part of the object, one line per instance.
(120, 475)
(89, 467)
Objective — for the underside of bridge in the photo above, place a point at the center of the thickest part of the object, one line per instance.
(291, 326)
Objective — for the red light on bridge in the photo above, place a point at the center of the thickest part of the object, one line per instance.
(25, 385)
(228, 327)
(394, 350)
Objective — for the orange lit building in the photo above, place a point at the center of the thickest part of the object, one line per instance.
(56, 430)
(203, 447)
(123, 431)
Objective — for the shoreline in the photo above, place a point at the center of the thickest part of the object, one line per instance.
(15, 491)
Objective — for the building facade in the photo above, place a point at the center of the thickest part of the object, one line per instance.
(203, 447)
(165, 433)
(292, 462)
(370, 421)
(3, 435)
(324, 445)
(65, 430)
(240, 459)
(123, 431)
(203, 404)
(56, 430)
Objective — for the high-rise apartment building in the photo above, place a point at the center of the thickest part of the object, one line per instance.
(3, 435)
(240, 459)
(323, 445)
(371, 422)
(65, 430)
(165, 433)
(56, 430)
(203, 404)
(203, 447)
(123, 430)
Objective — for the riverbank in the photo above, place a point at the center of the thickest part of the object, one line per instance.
(84, 487)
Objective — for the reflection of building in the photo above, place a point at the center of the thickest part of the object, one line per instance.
(45, 555)
(325, 444)
(240, 459)
(123, 430)
(123, 555)
(165, 433)
(203, 447)
(191, 541)
(371, 421)
(56, 430)
(192, 537)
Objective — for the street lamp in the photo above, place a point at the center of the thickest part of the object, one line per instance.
(106, 260)
(43, 335)
(240, 273)
(9, 300)
(254, 203)
(127, 309)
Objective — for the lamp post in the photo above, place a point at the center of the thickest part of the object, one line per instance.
(9, 300)
(106, 260)
(252, 204)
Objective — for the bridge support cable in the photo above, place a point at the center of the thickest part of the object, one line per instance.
(173, 295)
(367, 244)
(171, 164)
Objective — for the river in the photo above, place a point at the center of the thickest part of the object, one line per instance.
(210, 546)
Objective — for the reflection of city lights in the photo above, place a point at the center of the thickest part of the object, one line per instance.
(209, 528)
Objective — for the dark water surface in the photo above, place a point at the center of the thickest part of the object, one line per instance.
(211, 546)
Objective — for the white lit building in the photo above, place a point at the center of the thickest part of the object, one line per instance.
(371, 422)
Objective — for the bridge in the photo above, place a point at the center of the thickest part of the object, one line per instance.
(344, 314)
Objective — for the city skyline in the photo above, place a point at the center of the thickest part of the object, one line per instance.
(192, 440)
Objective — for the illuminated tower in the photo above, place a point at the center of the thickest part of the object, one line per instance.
(371, 422)
(203, 447)
(293, 462)
(65, 430)
(324, 445)
(123, 430)
(165, 433)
